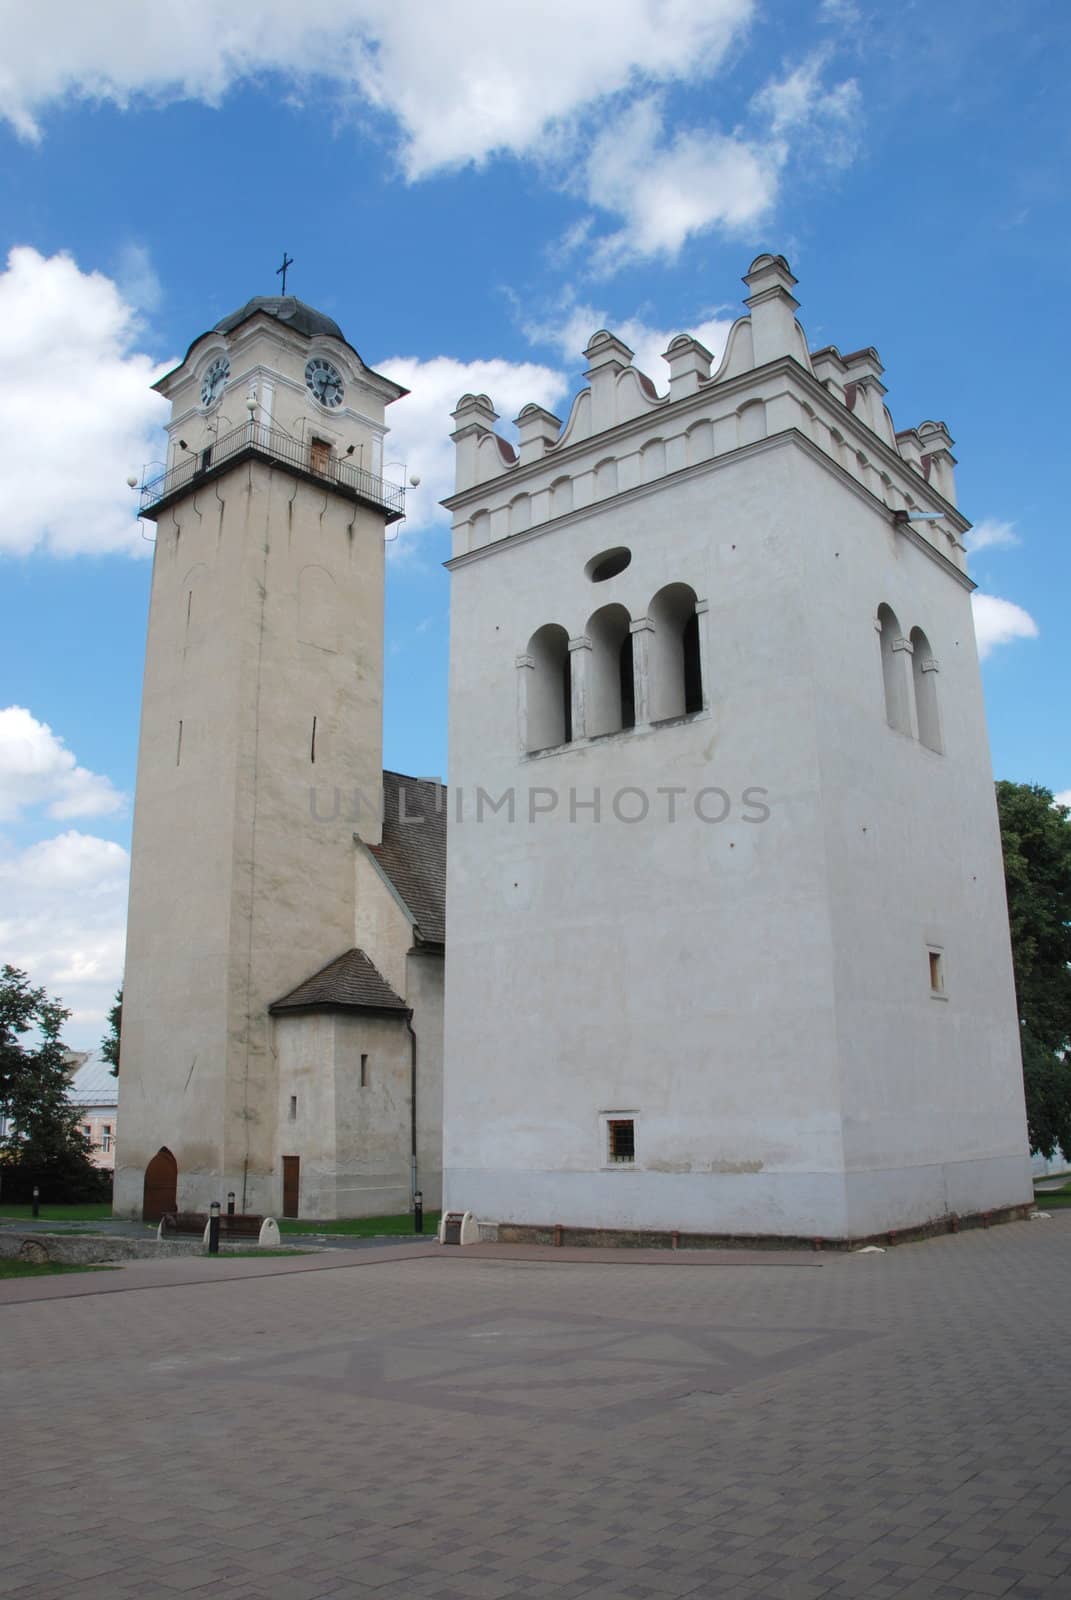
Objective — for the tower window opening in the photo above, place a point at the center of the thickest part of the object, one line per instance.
(293, 1108)
(937, 972)
(611, 693)
(608, 564)
(893, 670)
(621, 1140)
(628, 683)
(364, 1072)
(548, 689)
(312, 743)
(924, 679)
(676, 668)
(178, 745)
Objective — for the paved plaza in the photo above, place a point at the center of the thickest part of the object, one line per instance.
(423, 1424)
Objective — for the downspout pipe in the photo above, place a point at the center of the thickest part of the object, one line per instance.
(413, 1175)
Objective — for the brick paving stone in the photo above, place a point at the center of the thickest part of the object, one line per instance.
(491, 1424)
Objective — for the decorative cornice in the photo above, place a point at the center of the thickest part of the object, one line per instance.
(847, 421)
(641, 491)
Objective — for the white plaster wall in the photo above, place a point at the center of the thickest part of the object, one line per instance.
(755, 994)
(352, 1140)
(424, 992)
(601, 966)
(931, 1088)
(242, 873)
(373, 1123)
(382, 929)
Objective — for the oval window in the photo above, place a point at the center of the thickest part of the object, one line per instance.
(608, 564)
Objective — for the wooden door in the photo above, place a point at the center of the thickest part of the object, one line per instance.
(161, 1186)
(319, 455)
(291, 1185)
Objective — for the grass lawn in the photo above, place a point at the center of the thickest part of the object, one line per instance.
(24, 1269)
(1052, 1199)
(88, 1213)
(361, 1227)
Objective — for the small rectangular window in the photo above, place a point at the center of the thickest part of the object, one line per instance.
(937, 973)
(364, 1072)
(621, 1139)
(293, 1108)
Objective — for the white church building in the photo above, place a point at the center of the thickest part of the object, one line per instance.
(725, 939)
(728, 944)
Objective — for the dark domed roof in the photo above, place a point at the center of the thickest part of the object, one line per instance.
(285, 308)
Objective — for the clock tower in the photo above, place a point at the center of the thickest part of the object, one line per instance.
(261, 737)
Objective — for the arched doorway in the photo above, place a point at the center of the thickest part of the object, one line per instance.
(161, 1186)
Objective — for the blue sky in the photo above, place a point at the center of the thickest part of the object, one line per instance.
(471, 194)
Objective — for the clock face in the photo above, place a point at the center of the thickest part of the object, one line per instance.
(214, 381)
(325, 381)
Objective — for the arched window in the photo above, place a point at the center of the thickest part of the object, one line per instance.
(924, 673)
(675, 670)
(611, 698)
(893, 671)
(548, 689)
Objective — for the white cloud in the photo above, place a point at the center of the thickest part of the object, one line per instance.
(37, 769)
(570, 332)
(1063, 798)
(62, 920)
(462, 82)
(421, 426)
(998, 622)
(800, 103)
(77, 414)
(670, 186)
(574, 85)
(991, 534)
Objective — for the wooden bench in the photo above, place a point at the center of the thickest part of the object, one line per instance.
(239, 1226)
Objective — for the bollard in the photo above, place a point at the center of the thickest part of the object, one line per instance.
(418, 1212)
(213, 1228)
(230, 1203)
(36, 1201)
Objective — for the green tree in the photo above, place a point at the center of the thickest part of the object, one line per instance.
(42, 1141)
(109, 1045)
(1036, 836)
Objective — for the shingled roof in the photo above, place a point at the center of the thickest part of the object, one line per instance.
(413, 851)
(350, 982)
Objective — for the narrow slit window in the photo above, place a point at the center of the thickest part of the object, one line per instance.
(293, 1108)
(364, 1072)
(621, 1139)
(178, 745)
(312, 743)
(937, 972)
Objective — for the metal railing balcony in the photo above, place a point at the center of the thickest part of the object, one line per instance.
(253, 439)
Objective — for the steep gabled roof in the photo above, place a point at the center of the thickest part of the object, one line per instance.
(413, 852)
(350, 983)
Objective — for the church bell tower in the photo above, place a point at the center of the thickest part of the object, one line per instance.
(262, 706)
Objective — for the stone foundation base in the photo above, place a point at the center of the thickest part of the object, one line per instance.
(635, 1238)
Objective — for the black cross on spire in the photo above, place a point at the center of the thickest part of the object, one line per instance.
(288, 261)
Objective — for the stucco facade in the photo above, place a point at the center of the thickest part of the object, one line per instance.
(725, 881)
(262, 706)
